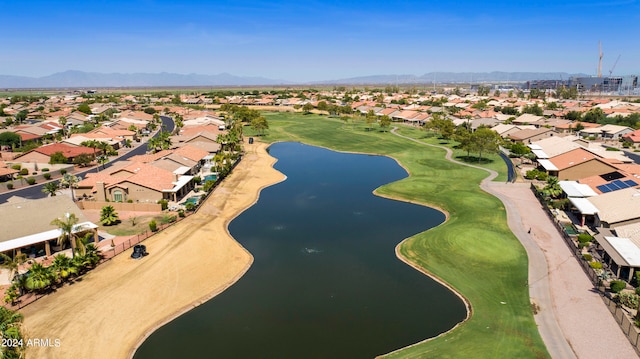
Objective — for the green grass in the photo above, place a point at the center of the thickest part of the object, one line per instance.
(474, 251)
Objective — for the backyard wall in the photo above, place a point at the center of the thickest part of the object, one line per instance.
(121, 206)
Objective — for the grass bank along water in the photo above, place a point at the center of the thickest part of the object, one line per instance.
(474, 251)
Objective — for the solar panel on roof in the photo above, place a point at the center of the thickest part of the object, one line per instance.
(620, 184)
(613, 186)
(631, 183)
(603, 188)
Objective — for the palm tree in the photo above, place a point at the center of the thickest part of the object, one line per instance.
(95, 144)
(40, 277)
(552, 189)
(12, 264)
(108, 216)
(51, 188)
(63, 267)
(68, 227)
(71, 181)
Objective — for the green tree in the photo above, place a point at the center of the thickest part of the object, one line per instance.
(573, 116)
(307, 108)
(552, 189)
(82, 160)
(322, 106)
(108, 216)
(10, 325)
(385, 122)
(533, 109)
(40, 277)
(58, 158)
(462, 135)
(63, 267)
(21, 116)
(68, 226)
(485, 140)
(595, 115)
(10, 139)
(70, 181)
(84, 108)
(260, 124)
(519, 149)
(51, 188)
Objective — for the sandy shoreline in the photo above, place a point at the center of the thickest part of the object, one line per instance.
(108, 314)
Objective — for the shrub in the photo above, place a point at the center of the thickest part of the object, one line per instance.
(181, 213)
(560, 203)
(628, 300)
(31, 181)
(16, 167)
(153, 226)
(587, 257)
(612, 149)
(166, 219)
(164, 204)
(197, 179)
(24, 172)
(10, 185)
(542, 176)
(129, 201)
(47, 176)
(595, 265)
(45, 170)
(638, 291)
(190, 206)
(584, 238)
(208, 186)
(617, 285)
(63, 171)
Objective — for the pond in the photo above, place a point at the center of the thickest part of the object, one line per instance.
(326, 282)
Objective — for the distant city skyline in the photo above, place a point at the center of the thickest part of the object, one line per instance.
(317, 40)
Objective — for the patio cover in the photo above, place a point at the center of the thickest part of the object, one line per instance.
(622, 250)
(540, 154)
(548, 165)
(584, 206)
(41, 237)
(575, 189)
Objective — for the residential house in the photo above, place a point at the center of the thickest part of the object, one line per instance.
(531, 135)
(31, 231)
(136, 182)
(576, 164)
(43, 154)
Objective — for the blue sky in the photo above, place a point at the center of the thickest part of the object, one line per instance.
(317, 40)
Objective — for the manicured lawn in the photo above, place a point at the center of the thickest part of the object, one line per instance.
(473, 251)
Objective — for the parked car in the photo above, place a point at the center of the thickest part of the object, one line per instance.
(139, 251)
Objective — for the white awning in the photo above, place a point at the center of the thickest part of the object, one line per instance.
(177, 185)
(41, 237)
(575, 189)
(533, 146)
(584, 206)
(540, 154)
(548, 165)
(622, 250)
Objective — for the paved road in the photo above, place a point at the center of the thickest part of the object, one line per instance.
(35, 191)
(546, 320)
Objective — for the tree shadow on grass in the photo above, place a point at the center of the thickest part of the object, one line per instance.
(474, 159)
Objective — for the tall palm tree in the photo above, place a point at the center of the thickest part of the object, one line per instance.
(12, 264)
(51, 188)
(71, 181)
(552, 189)
(68, 227)
(92, 144)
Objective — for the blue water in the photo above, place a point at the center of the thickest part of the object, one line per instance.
(210, 178)
(326, 282)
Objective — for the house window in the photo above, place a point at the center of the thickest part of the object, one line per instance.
(117, 196)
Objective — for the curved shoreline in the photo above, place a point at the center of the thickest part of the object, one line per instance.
(120, 289)
(232, 281)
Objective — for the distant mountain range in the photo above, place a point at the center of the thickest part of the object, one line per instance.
(80, 79)
(69, 79)
(456, 77)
